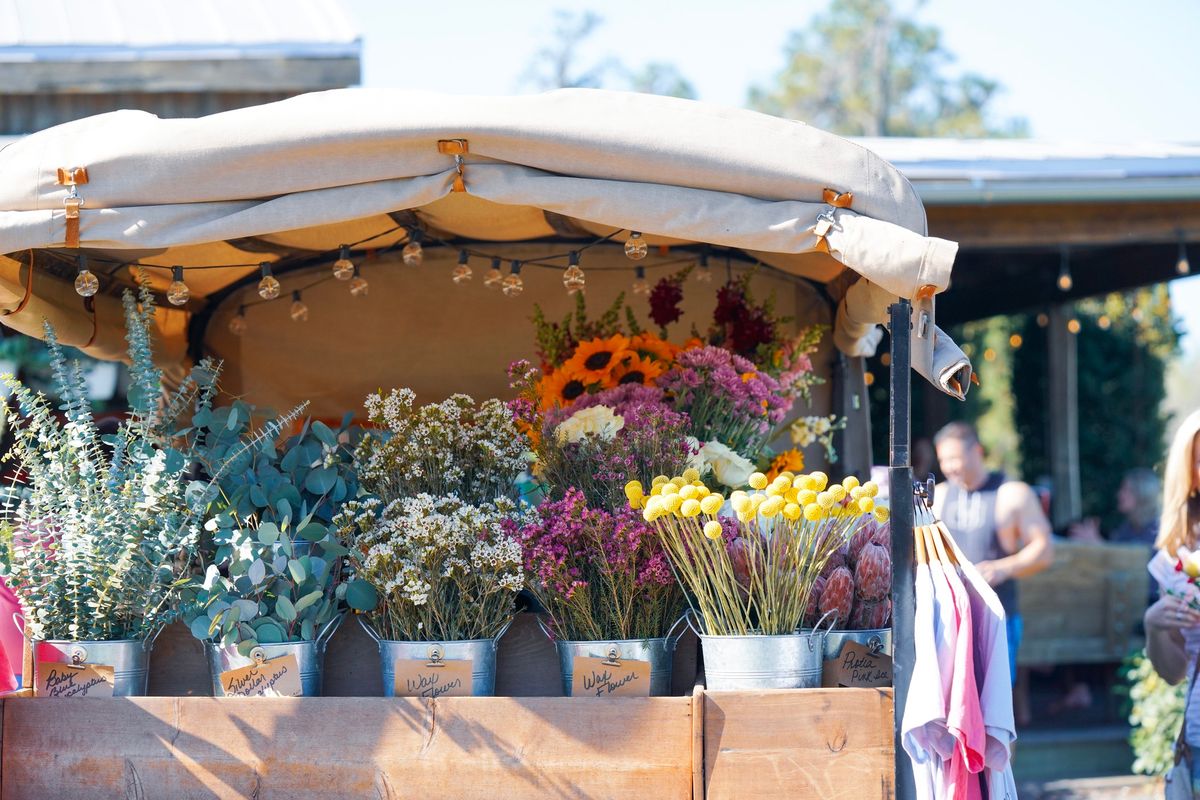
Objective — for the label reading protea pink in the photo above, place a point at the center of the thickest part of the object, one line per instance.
(56, 679)
(858, 666)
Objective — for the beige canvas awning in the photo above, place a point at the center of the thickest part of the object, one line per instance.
(289, 182)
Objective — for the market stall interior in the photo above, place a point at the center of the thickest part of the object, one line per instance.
(334, 243)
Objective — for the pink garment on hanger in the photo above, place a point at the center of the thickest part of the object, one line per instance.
(964, 717)
(12, 638)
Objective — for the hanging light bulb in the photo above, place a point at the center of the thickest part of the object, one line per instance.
(462, 273)
(573, 278)
(1073, 325)
(704, 274)
(86, 283)
(1064, 271)
(178, 292)
(494, 277)
(636, 247)
(299, 311)
(513, 285)
(268, 287)
(358, 285)
(413, 254)
(641, 285)
(237, 325)
(1182, 267)
(343, 268)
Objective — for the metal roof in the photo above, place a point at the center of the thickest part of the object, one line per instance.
(979, 171)
(118, 30)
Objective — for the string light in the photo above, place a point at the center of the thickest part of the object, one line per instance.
(573, 279)
(494, 277)
(641, 285)
(178, 293)
(704, 274)
(1182, 267)
(989, 354)
(358, 284)
(1104, 322)
(1043, 319)
(635, 247)
(513, 285)
(413, 254)
(86, 283)
(1073, 325)
(1015, 341)
(268, 287)
(299, 312)
(1065, 282)
(237, 325)
(462, 273)
(343, 268)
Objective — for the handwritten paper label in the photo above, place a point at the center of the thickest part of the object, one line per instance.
(56, 679)
(279, 677)
(858, 666)
(610, 677)
(433, 676)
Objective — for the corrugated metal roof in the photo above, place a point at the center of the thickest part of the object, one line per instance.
(55, 30)
(945, 171)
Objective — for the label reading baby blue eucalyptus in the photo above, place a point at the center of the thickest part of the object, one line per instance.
(56, 679)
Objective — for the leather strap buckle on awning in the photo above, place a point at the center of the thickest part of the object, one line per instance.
(72, 177)
(825, 220)
(456, 148)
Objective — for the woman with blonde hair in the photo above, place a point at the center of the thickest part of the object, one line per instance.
(1173, 621)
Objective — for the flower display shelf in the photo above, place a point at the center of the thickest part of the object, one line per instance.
(833, 743)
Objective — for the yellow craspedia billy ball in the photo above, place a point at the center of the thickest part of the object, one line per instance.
(820, 480)
(689, 508)
(824, 500)
(669, 488)
(660, 479)
(634, 493)
(870, 488)
(741, 503)
(866, 505)
(792, 511)
(712, 504)
(687, 492)
(772, 506)
(712, 529)
(691, 474)
(849, 482)
(813, 512)
(758, 480)
(882, 514)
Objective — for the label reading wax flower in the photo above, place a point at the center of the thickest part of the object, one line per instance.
(610, 677)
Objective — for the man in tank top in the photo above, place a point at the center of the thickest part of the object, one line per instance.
(998, 523)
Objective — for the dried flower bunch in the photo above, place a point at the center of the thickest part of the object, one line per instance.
(445, 570)
(855, 588)
(431, 536)
(473, 451)
(754, 572)
(105, 538)
(599, 574)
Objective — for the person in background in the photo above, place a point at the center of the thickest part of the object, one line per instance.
(1173, 622)
(998, 523)
(1138, 501)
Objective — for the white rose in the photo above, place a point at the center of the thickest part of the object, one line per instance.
(728, 467)
(599, 421)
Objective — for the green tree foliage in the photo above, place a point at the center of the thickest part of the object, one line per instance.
(1124, 345)
(861, 69)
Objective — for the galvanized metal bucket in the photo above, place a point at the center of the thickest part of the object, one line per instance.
(129, 658)
(310, 659)
(660, 652)
(877, 641)
(759, 661)
(480, 652)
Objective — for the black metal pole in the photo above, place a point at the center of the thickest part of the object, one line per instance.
(900, 494)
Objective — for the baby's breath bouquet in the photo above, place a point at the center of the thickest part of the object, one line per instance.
(432, 535)
(444, 569)
(104, 538)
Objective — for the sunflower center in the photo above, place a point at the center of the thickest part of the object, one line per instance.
(598, 360)
(572, 390)
(633, 377)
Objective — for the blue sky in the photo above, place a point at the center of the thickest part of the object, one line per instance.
(1091, 70)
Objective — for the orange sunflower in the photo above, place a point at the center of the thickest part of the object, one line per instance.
(787, 461)
(560, 388)
(636, 369)
(595, 359)
(647, 344)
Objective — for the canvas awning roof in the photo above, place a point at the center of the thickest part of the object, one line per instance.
(289, 182)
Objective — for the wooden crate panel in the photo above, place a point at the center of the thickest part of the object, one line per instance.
(310, 748)
(818, 743)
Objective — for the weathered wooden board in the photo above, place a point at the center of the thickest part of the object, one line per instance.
(194, 747)
(827, 743)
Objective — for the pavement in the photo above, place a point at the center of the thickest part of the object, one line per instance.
(1119, 787)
